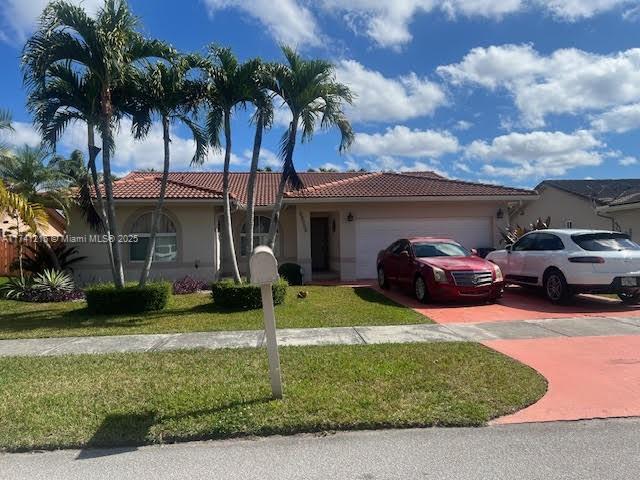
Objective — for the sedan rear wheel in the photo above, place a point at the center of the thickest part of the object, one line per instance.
(556, 288)
(420, 290)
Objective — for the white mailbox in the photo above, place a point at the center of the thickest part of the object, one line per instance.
(264, 272)
(263, 265)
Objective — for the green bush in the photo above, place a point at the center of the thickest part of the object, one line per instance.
(106, 298)
(245, 296)
(291, 272)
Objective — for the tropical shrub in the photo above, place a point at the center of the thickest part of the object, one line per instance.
(37, 259)
(245, 296)
(16, 288)
(189, 285)
(49, 286)
(291, 272)
(106, 298)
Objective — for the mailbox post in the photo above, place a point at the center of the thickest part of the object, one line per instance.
(264, 272)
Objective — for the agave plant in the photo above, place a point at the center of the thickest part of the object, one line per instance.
(53, 281)
(16, 288)
(510, 235)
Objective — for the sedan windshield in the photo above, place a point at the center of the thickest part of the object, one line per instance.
(433, 249)
(605, 242)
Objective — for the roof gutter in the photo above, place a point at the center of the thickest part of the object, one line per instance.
(618, 208)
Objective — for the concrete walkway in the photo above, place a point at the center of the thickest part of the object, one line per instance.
(478, 332)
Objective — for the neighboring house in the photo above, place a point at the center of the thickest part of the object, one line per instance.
(625, 211)
(578, 204)
(333, 227)
(55, 227)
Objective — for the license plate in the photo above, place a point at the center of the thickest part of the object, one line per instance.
(629, 282)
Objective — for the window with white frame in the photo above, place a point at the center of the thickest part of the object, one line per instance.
(166, 249)
(261, 226)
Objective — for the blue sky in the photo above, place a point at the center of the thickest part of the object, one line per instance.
(507, 92)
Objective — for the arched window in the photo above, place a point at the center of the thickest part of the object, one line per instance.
(166, 241)
(260, 233)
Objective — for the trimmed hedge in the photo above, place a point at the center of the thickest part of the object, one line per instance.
(245, 296)
(106, 298)
(291, 272)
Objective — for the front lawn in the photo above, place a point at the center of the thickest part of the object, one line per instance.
(139, 398)
(323, 307)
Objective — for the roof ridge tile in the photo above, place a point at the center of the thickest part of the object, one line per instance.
(340, 181)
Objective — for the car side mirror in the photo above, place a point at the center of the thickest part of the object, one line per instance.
(474, 252)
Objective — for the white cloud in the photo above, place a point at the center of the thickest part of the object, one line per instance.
(619, 119)
(628, 161)
(462, 125)
(577, 9)
(287, 20)
(18, 17)
(402, 141)
(382, 99)
(23, 134)
(331, 166)
(388, 23)
(537, 154)
(567, 81)
(267, 158)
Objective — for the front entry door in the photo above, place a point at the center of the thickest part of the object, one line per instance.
(319, 243)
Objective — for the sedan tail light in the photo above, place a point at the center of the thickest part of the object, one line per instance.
(586, 260)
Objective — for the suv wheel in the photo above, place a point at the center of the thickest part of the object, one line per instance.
(556, 288)
(630, 298)
(420, 289)
(382, 278)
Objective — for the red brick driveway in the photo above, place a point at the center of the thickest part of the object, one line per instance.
(516, 304)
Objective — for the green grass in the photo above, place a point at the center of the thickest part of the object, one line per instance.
(323, 307)
(140, 398)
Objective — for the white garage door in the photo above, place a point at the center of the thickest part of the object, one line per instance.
(373, 235)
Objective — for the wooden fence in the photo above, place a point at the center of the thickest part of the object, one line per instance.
(9, 252)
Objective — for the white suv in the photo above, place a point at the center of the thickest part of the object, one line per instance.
(566, 262)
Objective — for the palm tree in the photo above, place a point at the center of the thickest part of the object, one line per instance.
(66, 97)
(108, 49)
(309, 89)
(231, 84)
(5, 126)
(166, 90)
(262, 118)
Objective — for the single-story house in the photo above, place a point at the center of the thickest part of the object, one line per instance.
(333, 226)
(625, 213)
(582, 204)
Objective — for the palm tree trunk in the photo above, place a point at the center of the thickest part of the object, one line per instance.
(228, 240)
(107, 140)
(251, 190)
(277, 207)
(93, 153)
(144, 276)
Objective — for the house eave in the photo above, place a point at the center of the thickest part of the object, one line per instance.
(618, 208)
(462, 198)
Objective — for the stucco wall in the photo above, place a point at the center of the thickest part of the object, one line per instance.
(345, 230)
(195, 239)
(629, 222)
(561, 207)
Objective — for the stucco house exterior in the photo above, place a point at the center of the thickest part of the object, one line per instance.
(333, 227)
(594, 204)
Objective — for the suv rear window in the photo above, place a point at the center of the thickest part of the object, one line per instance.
(604, 242)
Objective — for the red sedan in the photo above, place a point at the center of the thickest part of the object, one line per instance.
(439, 269)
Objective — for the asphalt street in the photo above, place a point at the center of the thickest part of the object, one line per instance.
(597, 449)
